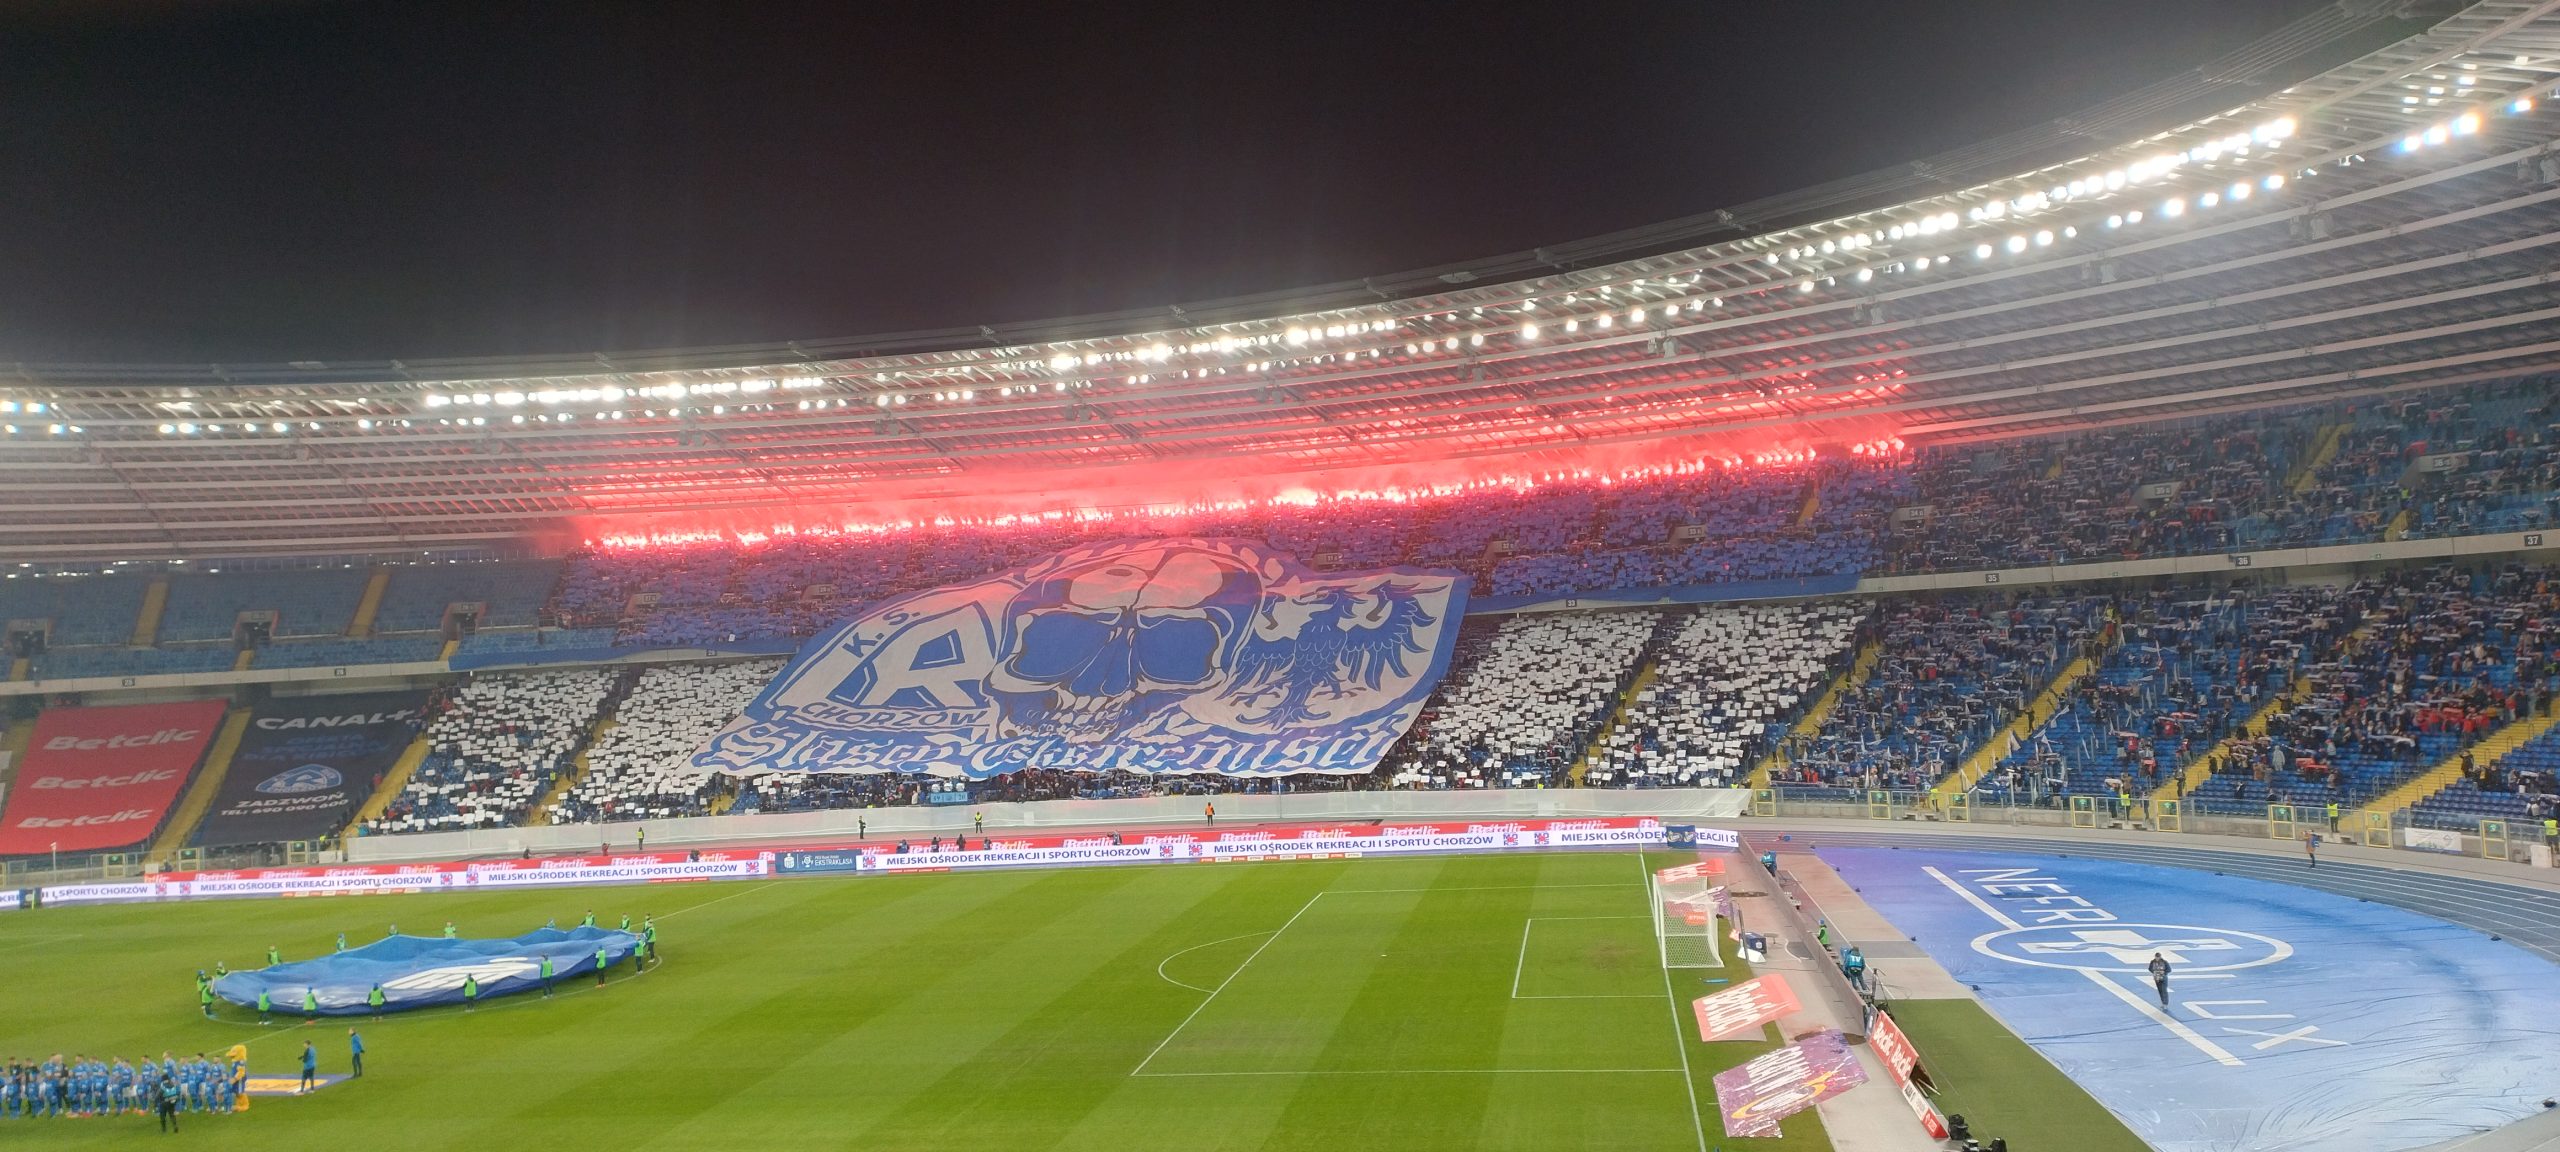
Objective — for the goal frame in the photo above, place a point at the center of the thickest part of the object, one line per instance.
(1669, 928)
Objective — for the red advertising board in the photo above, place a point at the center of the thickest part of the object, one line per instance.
(1903, 1061)
(1743, 1008)
(96, 779)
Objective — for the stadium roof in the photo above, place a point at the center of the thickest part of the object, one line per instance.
(2276, 226)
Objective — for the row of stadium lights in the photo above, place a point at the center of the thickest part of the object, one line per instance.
(1291, 340)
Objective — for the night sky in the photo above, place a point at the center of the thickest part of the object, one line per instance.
(264, 180)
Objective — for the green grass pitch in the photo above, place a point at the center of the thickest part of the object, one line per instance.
(1457, 1002)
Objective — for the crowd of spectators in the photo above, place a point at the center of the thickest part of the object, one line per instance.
(640, 767)
(1950, 672)
(2186, 669)
(496, 747)
(1725, 684)
(2440, 658)
(1524, 707)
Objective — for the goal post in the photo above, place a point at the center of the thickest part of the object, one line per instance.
(1684, 918)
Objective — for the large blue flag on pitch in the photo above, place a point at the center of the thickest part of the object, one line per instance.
(1165, 656)
(421, 971)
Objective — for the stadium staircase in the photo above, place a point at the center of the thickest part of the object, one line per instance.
(1814, 717)
(450, 647)
(1618, 715)
(541, 811)
(392, 782)
(2200, 769)
(14, 745)
(146, 624)
(1983, 759)
(2398, 528)
(199, 799)
(606, 721)
(2324, 448)
(241, 662)
(19, 668)
(2408, 792)
(370, 604)
(1812, 504)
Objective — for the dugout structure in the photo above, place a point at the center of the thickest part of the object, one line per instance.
(1685, 907)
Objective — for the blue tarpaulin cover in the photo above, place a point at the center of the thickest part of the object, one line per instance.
(422, 971)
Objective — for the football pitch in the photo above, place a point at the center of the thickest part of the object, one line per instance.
(1494, 1002)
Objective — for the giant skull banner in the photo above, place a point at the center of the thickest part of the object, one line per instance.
(1162, 656)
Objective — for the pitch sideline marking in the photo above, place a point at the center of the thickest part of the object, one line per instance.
(1222, 984)
(717, 899)
(1679, 1039)
(1169, 958)
(2175, 1026)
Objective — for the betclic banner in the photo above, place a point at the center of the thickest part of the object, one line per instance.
(100, 779)
(305, 764)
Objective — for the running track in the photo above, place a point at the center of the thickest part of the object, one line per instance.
(2526, 916)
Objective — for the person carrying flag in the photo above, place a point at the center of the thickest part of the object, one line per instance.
(373, 1000)
(601, 960)
(265, 1007)
(546, 976)
(310, 1004)
(274, 957)
(470, 991)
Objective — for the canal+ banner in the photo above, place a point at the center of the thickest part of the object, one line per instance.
(1165, 656)
(305, 763)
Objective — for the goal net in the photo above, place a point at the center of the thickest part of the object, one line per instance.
(1684, 918)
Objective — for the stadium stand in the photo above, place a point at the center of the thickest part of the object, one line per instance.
(306, 601)
(497, 748)
(2188, 668)
(331, 653)
(1527, 705)
(1724, 686)
(68, 663)
(2446, 656)
(512, 591)
(1953, 671)
(2522, 786)
(84, 610)
(636, 769)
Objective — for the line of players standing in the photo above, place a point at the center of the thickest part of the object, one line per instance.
(85, 1086)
